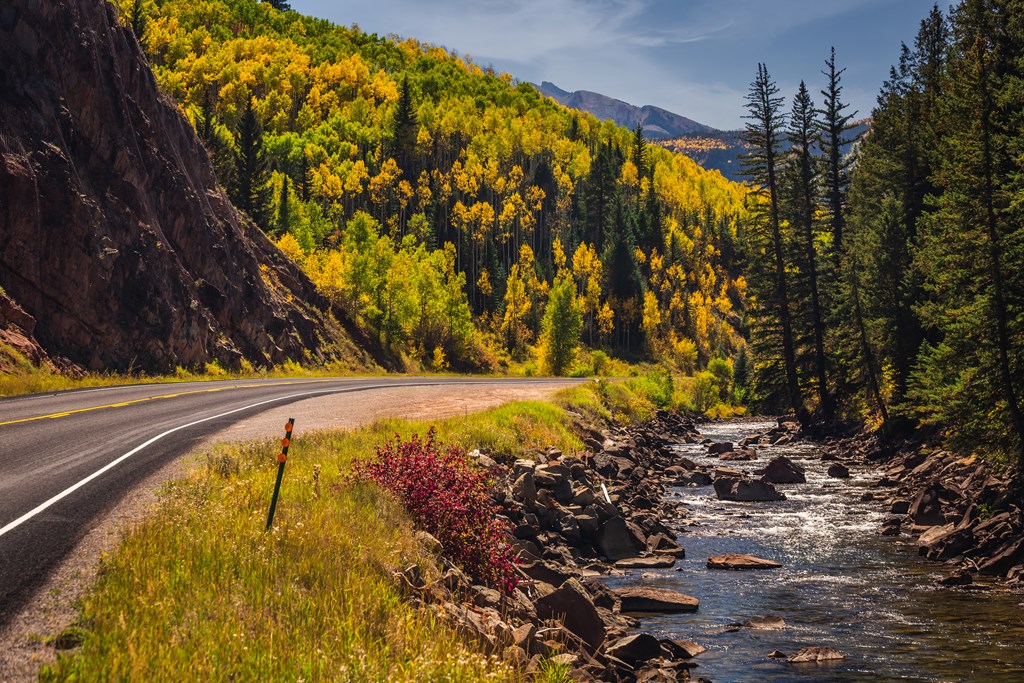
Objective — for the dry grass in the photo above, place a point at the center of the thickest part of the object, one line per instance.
(201, 592)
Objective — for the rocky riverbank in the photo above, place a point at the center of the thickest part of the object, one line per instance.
(576, 518)
(963, 510)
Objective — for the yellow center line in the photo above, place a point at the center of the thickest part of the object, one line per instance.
(122, 404)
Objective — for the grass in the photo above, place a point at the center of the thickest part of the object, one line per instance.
(200, 592)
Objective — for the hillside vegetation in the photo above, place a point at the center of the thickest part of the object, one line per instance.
(440, 202)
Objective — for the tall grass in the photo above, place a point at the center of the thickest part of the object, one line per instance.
(199, 591)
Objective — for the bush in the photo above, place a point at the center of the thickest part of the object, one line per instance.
(705, 391)
(449, 498)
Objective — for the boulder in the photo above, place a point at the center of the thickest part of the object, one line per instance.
(960, 578)
(635, 649)
(525, 489)
(719, 448)
(746, 490)
(694, 479)
(816, 654)
(782, 470)
(617, 539)
(741, 562)
(1004, 560)
(838, 471)
(649, 599)
(769, 623)
(659, 562)
(682, 649)
(571, 604)
(746, 454)
(926, 510)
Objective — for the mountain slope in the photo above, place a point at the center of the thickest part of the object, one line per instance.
(657, 123)
(114, 235)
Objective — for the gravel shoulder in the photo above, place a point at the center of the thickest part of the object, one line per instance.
(53, 606)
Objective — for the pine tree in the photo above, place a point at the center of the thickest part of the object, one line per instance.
(138, 21)
(283, 210)
(801, 190)
(280, 5)
(973, 243)
(251, 188)
(763, 137)
(405, 127)
(835, 135)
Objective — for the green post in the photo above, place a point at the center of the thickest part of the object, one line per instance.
(281, 459)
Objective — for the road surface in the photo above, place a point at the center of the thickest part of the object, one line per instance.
(68, 457)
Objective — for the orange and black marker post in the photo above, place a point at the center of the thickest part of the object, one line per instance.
(281, 459)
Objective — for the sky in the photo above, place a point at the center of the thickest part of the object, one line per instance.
(693, 57)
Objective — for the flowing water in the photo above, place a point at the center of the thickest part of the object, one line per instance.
(842, 585)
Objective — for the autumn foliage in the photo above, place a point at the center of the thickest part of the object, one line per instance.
(448, 497)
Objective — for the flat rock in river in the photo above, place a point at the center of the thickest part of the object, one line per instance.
(647, 599)
(816, 654)
(741, 562)
(661, 562)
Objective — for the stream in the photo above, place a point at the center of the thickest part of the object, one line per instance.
(842, 585)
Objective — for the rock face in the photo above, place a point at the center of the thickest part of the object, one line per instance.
(114, 235)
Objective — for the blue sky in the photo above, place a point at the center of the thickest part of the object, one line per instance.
(692, 57)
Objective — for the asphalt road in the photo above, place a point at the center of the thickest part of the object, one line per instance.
(67, 457)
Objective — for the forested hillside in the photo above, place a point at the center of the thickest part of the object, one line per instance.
(890, 285)
(441, 202)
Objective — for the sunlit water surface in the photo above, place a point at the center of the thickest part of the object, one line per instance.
(841, 585)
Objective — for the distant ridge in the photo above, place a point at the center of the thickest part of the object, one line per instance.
(713, 149)
(657, 123)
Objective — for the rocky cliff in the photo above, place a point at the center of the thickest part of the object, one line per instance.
(114, 235)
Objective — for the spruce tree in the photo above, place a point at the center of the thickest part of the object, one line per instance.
(972, 378)
(801, 191)
(763, 136)
(138, 21)
(835, 128)
(405, 128)
(251, 187)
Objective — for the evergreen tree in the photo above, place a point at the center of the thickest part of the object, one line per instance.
(280, 5)
(137, 20)
(763, 137)
(283, 210)
(405, 127)
(972, 378)
(801, 191)
(835, 128)
(251, 187)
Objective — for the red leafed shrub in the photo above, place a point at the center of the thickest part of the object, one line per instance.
(449, 498)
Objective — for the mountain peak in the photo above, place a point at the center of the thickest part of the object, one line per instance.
(657, 123)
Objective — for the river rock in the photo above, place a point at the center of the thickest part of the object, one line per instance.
(769, 623)
(572, 604)
(719, 448)
(649, 599)
(816, 654)
(634, 649)
(782, 470)
(746, 454)
(927, 510)
(617, 539)
(746, 490)
(839, 471)
(960, 578)
(662, 562)
(1004, 559)
(741, 562)
(682, 649)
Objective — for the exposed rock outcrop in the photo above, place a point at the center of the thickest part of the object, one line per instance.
(114, 235)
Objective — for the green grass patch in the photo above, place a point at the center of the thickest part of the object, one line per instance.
(200, 590)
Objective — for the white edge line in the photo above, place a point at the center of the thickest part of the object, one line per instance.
(114, 463)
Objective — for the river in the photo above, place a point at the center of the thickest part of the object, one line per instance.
(842, 585)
